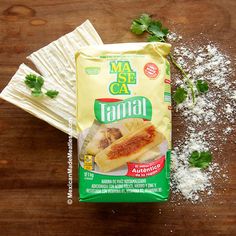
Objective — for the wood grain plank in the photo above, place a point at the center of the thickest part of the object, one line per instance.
(33, 154)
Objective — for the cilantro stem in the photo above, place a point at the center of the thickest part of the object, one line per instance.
(157, 33)
(190, 85)
(178, 66)
(149, 32)
(189, 82)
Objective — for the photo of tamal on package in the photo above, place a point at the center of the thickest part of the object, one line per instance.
(124, 122)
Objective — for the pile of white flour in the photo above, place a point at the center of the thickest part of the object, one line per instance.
(208, 123)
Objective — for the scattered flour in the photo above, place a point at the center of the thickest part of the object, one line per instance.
(227, 130)
(205, 119)
(173, 37)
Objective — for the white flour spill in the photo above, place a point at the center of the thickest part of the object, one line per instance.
(209, 121)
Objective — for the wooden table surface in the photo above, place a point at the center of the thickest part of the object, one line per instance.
(33, 159)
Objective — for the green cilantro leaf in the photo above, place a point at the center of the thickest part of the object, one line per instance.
(180, 95)
(30, 80)
(165, 31)
(52, 93)
(202, 86)
(141, 24)
(153, 38)
(137, 28)
(200, 159)
(34, 81)
(144, 19)
(156, 29)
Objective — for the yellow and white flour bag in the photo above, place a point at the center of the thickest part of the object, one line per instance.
(124, 121)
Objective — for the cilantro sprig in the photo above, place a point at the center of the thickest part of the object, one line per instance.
(35, 83)
(158, 33)
(200, 159)
(154, 28)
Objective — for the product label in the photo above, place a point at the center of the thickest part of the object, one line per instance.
(113, 187)
(110, 110)
(125, 75)
(142, 170)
